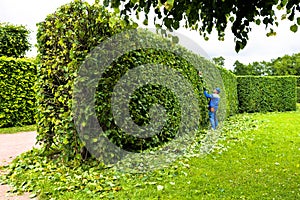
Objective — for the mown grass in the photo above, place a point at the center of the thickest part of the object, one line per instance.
(257, 157)
(12, 130)
(259, 164)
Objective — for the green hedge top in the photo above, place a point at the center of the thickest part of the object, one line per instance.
(266, 93)
(17, 96)
(14, 40)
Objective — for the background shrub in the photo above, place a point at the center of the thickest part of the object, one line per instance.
(14, 40)
(266, 93)
(17, 96)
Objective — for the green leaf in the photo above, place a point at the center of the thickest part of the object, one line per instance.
(145, 22)
(258, 21)
(294, 28)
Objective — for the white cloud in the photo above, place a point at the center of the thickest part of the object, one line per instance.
(259, 47)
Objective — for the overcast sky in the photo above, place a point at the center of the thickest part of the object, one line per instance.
(259, 47)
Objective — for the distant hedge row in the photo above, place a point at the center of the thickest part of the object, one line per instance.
(266, 94)
(17, 96)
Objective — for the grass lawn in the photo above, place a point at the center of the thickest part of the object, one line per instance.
(260, 164)
(257, 157)
(17, 129)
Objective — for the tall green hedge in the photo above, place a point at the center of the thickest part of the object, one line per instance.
(17, 96)
(266, 93)
(64, 40)
(14, 40)
(230, 85)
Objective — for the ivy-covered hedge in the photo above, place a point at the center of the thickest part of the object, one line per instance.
(266, 93)
(14, 40)
(230, 85)
(64, 40)
(17, 96)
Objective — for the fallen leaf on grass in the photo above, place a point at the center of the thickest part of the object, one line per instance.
(258, 170)
(160, 187)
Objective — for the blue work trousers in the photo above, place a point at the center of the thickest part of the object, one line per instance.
(213, 119)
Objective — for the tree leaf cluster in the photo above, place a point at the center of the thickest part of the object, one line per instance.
(14, 40)
(281, 66)
(206, 15)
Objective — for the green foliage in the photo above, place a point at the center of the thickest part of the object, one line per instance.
(64, 39)
(241, 69)
(14, 40)
(287, 65)
(298, 94)
(230, 85)
(206, 15)
(281, 66)
(256, 69)
(259, 149)
(17, 95)
(266, 94)
(220, 61)
(147, 96)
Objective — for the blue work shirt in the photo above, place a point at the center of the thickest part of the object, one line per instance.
(214, 99)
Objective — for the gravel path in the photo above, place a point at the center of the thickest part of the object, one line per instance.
(11, 145)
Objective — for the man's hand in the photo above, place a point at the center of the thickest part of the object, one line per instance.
(200, 73)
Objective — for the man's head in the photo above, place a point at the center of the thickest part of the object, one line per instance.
(217, 90)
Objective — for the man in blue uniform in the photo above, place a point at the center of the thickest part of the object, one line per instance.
(213, 104)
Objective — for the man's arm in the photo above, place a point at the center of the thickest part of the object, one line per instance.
(207, 95)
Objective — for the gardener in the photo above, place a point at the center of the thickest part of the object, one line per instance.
(213, 105)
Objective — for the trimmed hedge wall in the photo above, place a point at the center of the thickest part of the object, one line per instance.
(17, 96)
(230, 85)
(266, 93)
(64, 39)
